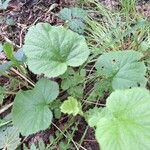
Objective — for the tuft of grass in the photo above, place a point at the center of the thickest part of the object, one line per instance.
(111, 30)
(128, 6)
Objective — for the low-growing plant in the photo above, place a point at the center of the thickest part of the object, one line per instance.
(124, 68)
(54, 50)
(35, 107)
(123, 123)
(75, 18)
(4, 4)
(101, 76)
(128, 6)
(71, 106)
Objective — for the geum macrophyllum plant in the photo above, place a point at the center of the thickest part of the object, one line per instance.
(49, 51)
(124, 123)
(124, 68)
(31, 111)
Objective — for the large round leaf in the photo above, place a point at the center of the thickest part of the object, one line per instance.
(126, 124)
(30, 110)
(124, 68)
(50, 49)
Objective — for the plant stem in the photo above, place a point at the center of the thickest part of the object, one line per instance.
(81, 141)
(65, 135)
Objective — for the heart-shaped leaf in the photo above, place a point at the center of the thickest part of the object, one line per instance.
(50, 49)
(76, 18)
(126, 124)
(124, 68)
(31, 112)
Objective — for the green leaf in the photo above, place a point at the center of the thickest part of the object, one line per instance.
(20, 56)
(124, 68)
(2, 20)
(41, 145)
(57, 113)
(126, 124)
(17, 59)
(33, 147)
(4, 4)
(78, 13)
(72, 82)
(55, 106)
(9, 138)
(73, 13)
(71, 79)
(5, 66)
(92, 115)
(77, 26)
(31, 112)
(65, 14)
(76, 91)
(71, 106)
(64, 145)
(75, 17)
(54, 49)
(100, 87)
(8, 49)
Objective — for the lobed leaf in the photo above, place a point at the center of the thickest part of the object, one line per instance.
(71, 106)
(50, 49)
(126, 121)
(31, 112)
(124, 67)
(93, 115)
(75, 18)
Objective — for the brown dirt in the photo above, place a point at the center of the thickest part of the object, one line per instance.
(89, 141)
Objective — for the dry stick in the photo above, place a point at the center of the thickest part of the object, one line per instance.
(65, 135)
(81, 146)
(93, 103)
(20, 37)
(22, 76)
(9, 41)
(53, 6)
(6, 107)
